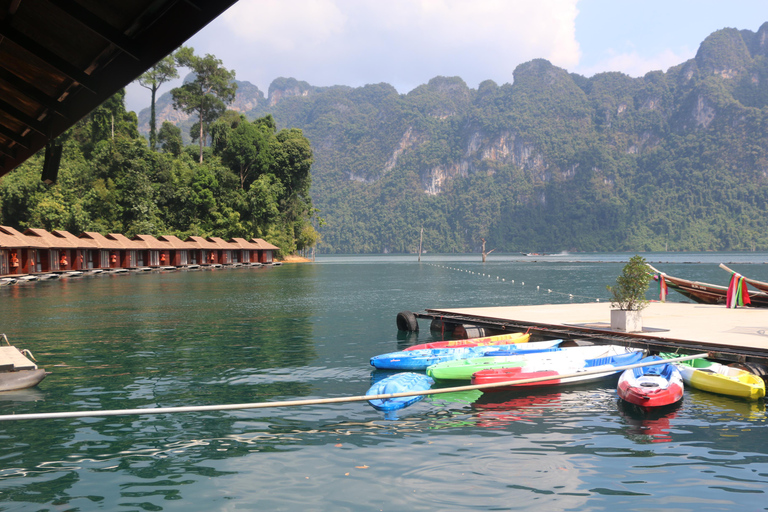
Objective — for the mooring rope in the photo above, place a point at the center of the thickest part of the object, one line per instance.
(319, 401)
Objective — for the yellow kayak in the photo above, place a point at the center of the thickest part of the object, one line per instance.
(722, 379)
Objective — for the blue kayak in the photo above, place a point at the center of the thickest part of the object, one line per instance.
(421, 359)
(398, 383)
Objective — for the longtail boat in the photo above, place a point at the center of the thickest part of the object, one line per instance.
(760, 285)
(705, 293)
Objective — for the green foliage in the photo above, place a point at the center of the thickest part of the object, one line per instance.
(254, 182)
(207, 95)
(631, 285)
(162, 72)
(169, 138)
(554, 162)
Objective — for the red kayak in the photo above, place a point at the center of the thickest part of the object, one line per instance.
(501, 339)
(562, 372)
(651, 386)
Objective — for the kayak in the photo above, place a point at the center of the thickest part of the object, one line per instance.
(719, 378)
(398, 383)
(556, 369)
(651, 386)
(501, 339)
(463, 369)
(421, 359)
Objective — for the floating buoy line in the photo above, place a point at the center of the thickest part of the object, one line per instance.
(522, 283)
(317, 401)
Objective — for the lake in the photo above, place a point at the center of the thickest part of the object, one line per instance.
(303, 331)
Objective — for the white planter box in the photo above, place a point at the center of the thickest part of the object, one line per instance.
(626, 321)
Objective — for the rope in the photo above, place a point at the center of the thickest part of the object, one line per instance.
(317, 401)
(522, 283)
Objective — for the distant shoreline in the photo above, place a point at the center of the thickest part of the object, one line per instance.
(295, 259)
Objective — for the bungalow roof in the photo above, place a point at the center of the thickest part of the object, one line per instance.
(241, 243)
(80, 243)
(101, 241)
(50, 241)
(220, 242)
(263, 244)
(177, 243)
(9, 241)
(22, 240)
(202, 242)
(150, 242)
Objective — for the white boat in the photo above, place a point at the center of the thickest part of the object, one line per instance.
(16, 370)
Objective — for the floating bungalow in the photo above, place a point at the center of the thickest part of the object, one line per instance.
(37, 251)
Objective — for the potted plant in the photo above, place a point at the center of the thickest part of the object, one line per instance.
(628, 296)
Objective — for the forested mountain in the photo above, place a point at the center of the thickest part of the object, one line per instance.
(554, 161)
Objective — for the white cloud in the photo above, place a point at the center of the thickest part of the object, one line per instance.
(284, 25)
(402, 42)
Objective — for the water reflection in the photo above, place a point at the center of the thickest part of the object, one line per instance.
(308, 332)
(647, 426)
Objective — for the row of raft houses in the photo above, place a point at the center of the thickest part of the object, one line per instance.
(37, 251)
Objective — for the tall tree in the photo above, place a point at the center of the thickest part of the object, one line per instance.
(162, 72)
(208, 94)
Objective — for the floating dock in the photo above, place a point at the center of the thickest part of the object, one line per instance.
(738, 335)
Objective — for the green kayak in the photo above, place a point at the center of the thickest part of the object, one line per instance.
(462, 369)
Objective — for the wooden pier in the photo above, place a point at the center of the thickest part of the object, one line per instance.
(737, 335)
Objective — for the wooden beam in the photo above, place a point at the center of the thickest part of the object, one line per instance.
(99, 27)
(47, 56)
(32, 92)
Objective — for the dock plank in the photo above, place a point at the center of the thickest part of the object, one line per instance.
(742, 330)
(13, 356)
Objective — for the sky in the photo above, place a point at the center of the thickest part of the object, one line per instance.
(405, 43)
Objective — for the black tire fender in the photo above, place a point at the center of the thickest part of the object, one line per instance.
(406, 321)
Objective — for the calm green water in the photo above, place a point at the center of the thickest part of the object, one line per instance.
(308, 331)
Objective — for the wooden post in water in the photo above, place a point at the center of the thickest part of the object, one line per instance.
(485, 254)
(421, 237)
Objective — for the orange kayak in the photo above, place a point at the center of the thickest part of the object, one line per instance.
(501, 339)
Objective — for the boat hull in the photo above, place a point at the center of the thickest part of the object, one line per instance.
(420, 360)
(721, 379)
(22, 379)
(501, 339)
(705, 293)
(651, 386)
(465, 368)
(564, 374)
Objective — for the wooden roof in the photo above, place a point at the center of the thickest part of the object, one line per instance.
(37, 238)
(20, 239)
(48, 239)
(263, 244)
(76, 242)
(100, 241)
(150, 242)
(60, 59)
(202, 243)
(176, 242)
